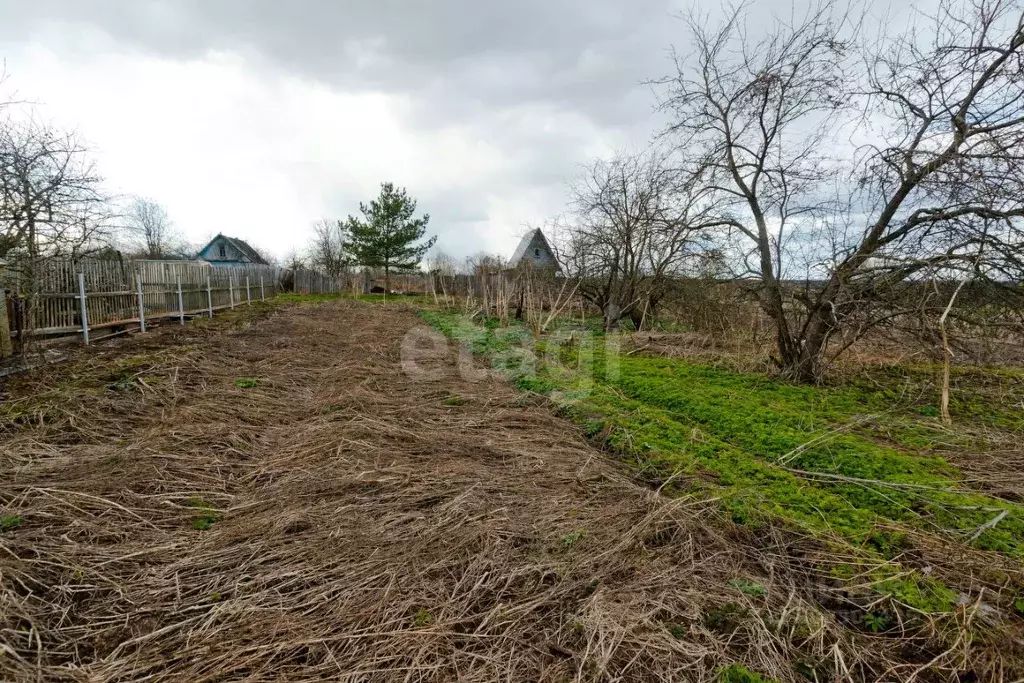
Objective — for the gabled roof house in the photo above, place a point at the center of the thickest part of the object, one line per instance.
(229, 251)
(535, 250)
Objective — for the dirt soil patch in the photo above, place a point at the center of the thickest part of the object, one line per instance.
(276, 499)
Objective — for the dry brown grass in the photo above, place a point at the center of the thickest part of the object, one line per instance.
(367, 527)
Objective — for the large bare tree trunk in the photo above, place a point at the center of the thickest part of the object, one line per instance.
(6, 346)
(802, 360)
(801, 356)
(612, 313)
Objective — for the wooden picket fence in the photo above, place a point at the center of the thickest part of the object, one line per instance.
(91, 298)
(57, 297)
(359, 281)
(311, 282)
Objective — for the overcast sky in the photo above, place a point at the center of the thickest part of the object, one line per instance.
(256, 117)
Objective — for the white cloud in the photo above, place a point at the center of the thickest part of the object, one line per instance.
(226, 147)
(237, 137)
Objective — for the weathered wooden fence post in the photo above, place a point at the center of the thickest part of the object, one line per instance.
(231, 289)
(209, 295)
(248, 299)
(6, 346)
(181, 304)
(84, 308)
(142, 300)
(263, 292)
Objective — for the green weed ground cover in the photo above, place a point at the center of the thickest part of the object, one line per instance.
(851, 461)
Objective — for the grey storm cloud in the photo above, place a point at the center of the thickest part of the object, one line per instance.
(586, 55)
(499, 70)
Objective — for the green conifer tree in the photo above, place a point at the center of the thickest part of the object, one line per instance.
(388, 236)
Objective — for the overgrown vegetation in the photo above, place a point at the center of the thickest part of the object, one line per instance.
(364, 501)
(854, 464)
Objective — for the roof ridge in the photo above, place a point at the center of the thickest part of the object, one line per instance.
(241, 245)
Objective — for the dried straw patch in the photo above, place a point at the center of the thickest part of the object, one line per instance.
(334, 519)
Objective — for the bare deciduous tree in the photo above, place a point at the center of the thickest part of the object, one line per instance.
(756, 113)
(293, 260)
(942, 185)
(50, 197)
(942, 109)
(326, 252)
(150, 231)
(268, 257)
(443, 270)
(634, 223)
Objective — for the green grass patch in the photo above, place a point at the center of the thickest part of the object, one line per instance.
(570, 539)
(422, 619)
(300, 298)
(737, 673)
(725, 618)
(206, 517)
(782, 439)
(904, 587)
(204, 522)
(854, 460)
(801, 453)
(9, 522)
(413, 299)
(677, 630)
